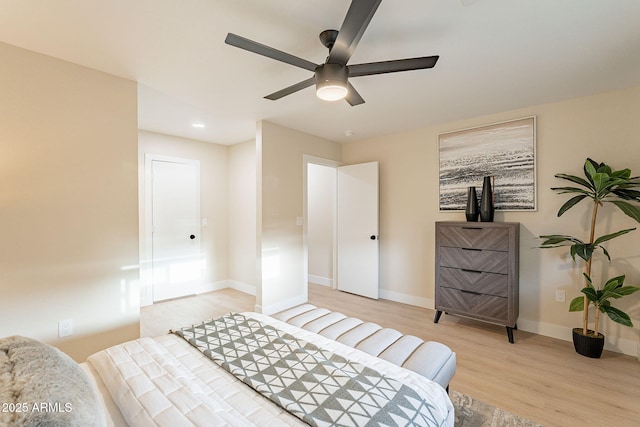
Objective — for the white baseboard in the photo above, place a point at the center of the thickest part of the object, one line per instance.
(242, 287)
(619, 345)
(282, 305)
(203, 288)
(146, 291)
(224, 284)
(211, 286)
(407, 299)
(319, 280)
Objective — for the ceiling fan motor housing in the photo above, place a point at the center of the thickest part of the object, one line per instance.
(331, 81)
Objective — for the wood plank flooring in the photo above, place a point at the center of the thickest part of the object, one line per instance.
(538, 377)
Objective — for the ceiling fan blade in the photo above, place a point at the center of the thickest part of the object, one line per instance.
(393, 66)
(269, 52)
(291, 89)
(355, 23)
(353, 97)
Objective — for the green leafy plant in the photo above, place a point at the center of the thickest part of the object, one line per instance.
(613, 288)
(601, 185)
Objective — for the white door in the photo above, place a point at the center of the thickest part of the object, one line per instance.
(177, 263)
(357, 229)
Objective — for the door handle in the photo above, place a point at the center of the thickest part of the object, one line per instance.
(193, 236)
(373, 237)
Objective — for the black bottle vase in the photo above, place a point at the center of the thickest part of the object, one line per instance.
(471, 211)
(486, 204)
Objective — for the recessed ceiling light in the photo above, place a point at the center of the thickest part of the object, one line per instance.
(197, 125)
(348, 133)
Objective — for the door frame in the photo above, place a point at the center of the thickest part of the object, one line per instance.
(306, 159)
(146, 261)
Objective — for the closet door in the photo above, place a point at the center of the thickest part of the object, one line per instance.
(357, 229)
(177, 259)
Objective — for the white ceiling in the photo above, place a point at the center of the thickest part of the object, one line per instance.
(495, 55)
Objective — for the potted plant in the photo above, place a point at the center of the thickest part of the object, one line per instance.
(601, 185)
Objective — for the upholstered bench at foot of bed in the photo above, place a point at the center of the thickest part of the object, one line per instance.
(430, 359)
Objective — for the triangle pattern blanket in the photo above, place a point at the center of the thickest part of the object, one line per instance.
(317, 386)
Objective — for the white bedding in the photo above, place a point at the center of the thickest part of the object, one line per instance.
(165, 381)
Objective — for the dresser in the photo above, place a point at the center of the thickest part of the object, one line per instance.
(477, 271)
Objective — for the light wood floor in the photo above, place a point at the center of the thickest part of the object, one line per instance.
(538, 377)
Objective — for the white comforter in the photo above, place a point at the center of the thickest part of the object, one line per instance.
(165, 381)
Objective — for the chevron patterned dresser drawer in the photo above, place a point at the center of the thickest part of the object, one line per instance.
(477, 237)
(484, 307)
(477, 271)
(480, 282)
(475, 259)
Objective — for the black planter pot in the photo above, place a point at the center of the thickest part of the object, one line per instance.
(588, 345)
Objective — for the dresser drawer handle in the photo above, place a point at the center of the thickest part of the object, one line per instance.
(471, 271)
(470, 292)
(472, 228)
(471, 249)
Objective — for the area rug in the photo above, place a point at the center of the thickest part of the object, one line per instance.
(475, 413)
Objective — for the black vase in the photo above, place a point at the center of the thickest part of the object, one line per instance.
(588, 345)
(471, 210)
(486, 204)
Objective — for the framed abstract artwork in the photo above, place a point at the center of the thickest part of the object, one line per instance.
(506, 151)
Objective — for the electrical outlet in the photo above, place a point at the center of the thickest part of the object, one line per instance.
(560, 295)
(65, 328)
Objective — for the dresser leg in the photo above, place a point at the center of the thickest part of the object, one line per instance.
(510, 332)
(437, 317)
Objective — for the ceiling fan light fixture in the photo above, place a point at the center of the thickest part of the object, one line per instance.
(331, 91)
(331, 82)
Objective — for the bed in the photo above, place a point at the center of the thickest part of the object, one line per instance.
(241, 369)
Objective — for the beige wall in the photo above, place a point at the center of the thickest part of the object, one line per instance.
(243, 270)
(604, 127)
(280, 186)
(214, 188)
(68, 202)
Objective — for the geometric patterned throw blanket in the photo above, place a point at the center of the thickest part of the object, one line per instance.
(317, 386)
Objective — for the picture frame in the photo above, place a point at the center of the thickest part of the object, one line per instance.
(504, 151)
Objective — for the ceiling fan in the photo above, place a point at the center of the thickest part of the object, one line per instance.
(332, 77)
